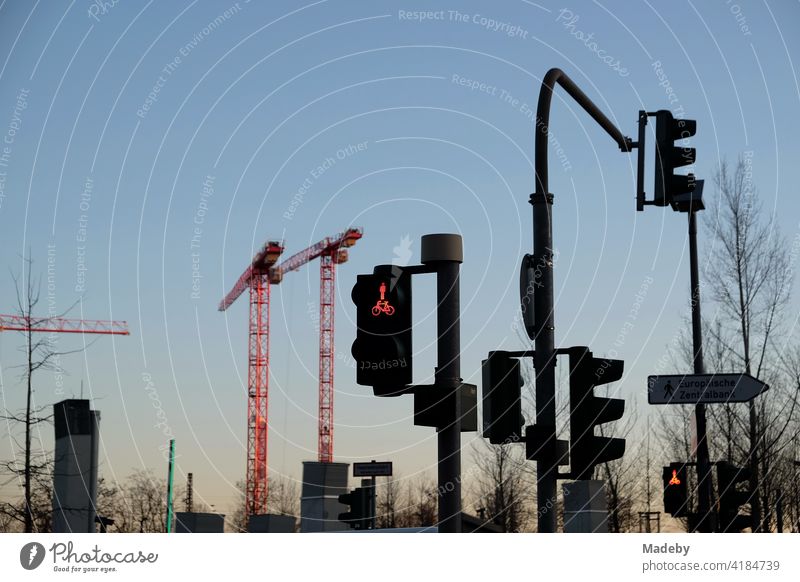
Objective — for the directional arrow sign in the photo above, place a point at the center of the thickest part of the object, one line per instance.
(703, 388)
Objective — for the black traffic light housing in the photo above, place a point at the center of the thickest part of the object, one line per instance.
(668, 184)
(587, 411)
(676, 490)
(359, 501)
(502, 402)
(432, 406)
(731, 497)
(383, 348)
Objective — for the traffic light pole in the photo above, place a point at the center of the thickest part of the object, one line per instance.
(708, 520)
(445, 251)
(543, 303)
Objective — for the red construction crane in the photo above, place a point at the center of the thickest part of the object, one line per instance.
(330, 251)
(257, 277)
(62, 325)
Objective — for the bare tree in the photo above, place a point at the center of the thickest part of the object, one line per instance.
(623, 476)
(389, 503)
(284, 496)
(503, 485)
(40, 355)
(422, 506)
(237, 519)
(39, 509)
(143, 506)
(750, 284)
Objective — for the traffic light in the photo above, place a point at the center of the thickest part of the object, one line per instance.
(732, 498)
(502, 404)
(676, 491)
(587, 410)
(669, 157)
(358, 500)
(382, 348)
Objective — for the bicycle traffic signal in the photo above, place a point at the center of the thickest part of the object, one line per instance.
(676, 490)
(383, 349)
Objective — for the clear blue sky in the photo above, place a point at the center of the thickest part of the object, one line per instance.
(117, 116)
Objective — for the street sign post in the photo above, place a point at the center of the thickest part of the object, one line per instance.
(703, 388)
(373, 469)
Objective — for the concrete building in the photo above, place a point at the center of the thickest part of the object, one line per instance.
(319, 501)
(75, 469)
(194, 522)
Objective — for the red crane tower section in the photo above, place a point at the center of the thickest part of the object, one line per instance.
(62, 325)
(258, 277)
(330, 251)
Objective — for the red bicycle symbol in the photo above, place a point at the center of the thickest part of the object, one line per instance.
(382, 306)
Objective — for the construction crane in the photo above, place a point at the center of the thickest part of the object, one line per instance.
(330, 251)
(258, 277)
(62, 325)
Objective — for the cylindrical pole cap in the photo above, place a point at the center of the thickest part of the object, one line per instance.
(442, 247)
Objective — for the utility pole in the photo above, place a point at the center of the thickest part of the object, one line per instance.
(446, 253)
(170, 476)
(707, 521)
(544, 330)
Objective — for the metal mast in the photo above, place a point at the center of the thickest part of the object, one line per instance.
(256, 278)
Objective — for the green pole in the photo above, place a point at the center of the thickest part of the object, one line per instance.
(169, 484)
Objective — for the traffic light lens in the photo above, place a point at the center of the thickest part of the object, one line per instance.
(674, 480)
(383, 345)
(382, 306)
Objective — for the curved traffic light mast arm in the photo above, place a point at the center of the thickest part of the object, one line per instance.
(543, 330)
(557, 76)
